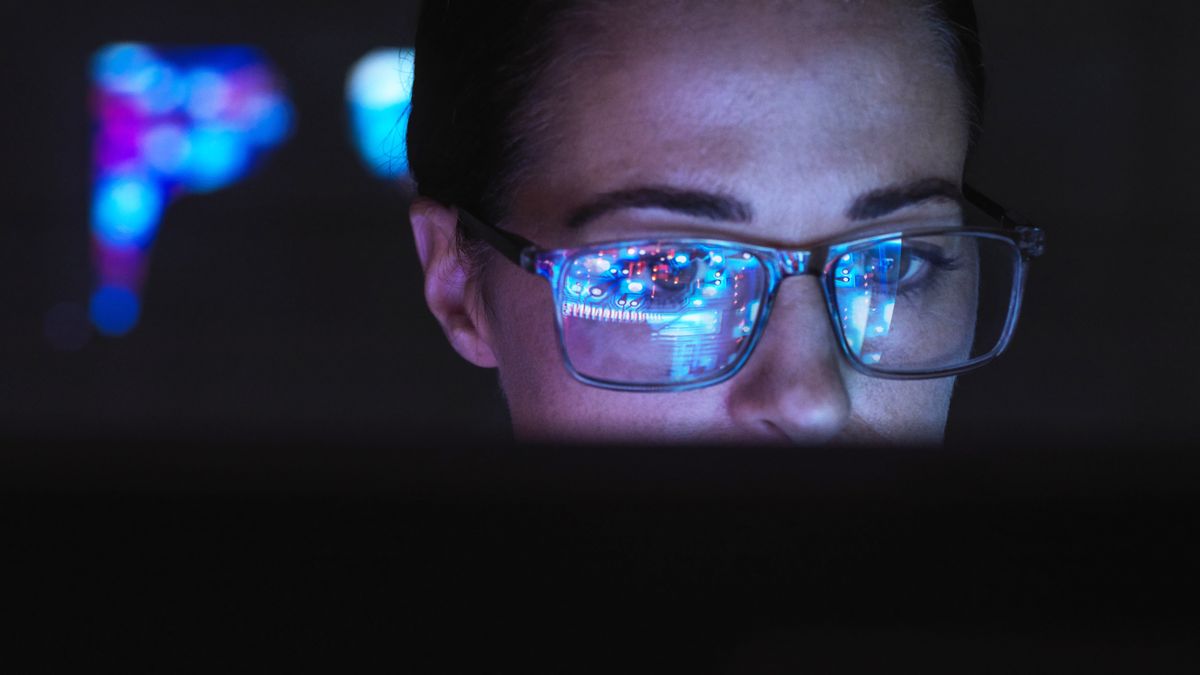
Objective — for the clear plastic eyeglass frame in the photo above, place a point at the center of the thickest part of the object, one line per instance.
(1027, 243)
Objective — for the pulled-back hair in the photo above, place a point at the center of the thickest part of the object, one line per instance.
(479, 62)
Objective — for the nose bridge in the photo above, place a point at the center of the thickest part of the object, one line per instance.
(800, 310)
(802, 285)
(795, 380)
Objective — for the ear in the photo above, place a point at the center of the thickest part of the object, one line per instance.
(454, 301)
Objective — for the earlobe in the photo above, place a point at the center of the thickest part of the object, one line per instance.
(451, 296)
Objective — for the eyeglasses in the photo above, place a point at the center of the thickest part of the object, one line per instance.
(671, 314)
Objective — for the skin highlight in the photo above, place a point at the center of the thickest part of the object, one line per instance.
(795, 109)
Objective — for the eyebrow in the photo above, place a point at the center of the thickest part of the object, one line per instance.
(706, 205)
(881, 202)
(719, 207)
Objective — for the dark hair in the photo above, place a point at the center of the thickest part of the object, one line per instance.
(478, 61)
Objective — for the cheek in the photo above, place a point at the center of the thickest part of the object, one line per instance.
(902, 410)
(546, 402)
(522, 333)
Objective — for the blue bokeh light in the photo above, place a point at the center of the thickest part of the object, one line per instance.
(170, 121)
(378, 91)
(165, 90)
(126, 209)
(125, 68)
(217, 157)
(208, 94)
(165, 148)
(114, 310)
(274, 121)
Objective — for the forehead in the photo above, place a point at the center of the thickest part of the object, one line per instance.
(793, 106)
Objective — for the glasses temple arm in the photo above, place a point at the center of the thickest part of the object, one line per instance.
(1032, 240)
(1007, 218)
(507, 244)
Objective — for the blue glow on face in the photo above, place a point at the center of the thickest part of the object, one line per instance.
(125, 210)
(378, 91)
(114, 310)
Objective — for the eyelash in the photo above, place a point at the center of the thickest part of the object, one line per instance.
(940, 263)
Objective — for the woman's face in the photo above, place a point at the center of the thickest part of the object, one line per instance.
(801, 112)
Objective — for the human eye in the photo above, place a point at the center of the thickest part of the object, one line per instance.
(921, 264)
(898, 267)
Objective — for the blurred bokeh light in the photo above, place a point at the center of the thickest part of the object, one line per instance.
(378, 91)
(168, 122)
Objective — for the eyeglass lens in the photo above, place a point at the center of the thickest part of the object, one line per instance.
(675, 313)
(924, 303)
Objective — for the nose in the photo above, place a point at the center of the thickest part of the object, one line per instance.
(793, 387)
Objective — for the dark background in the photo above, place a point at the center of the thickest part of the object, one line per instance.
(288, 306)
(281, 428)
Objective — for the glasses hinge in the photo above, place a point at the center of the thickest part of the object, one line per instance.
(1032, 241)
